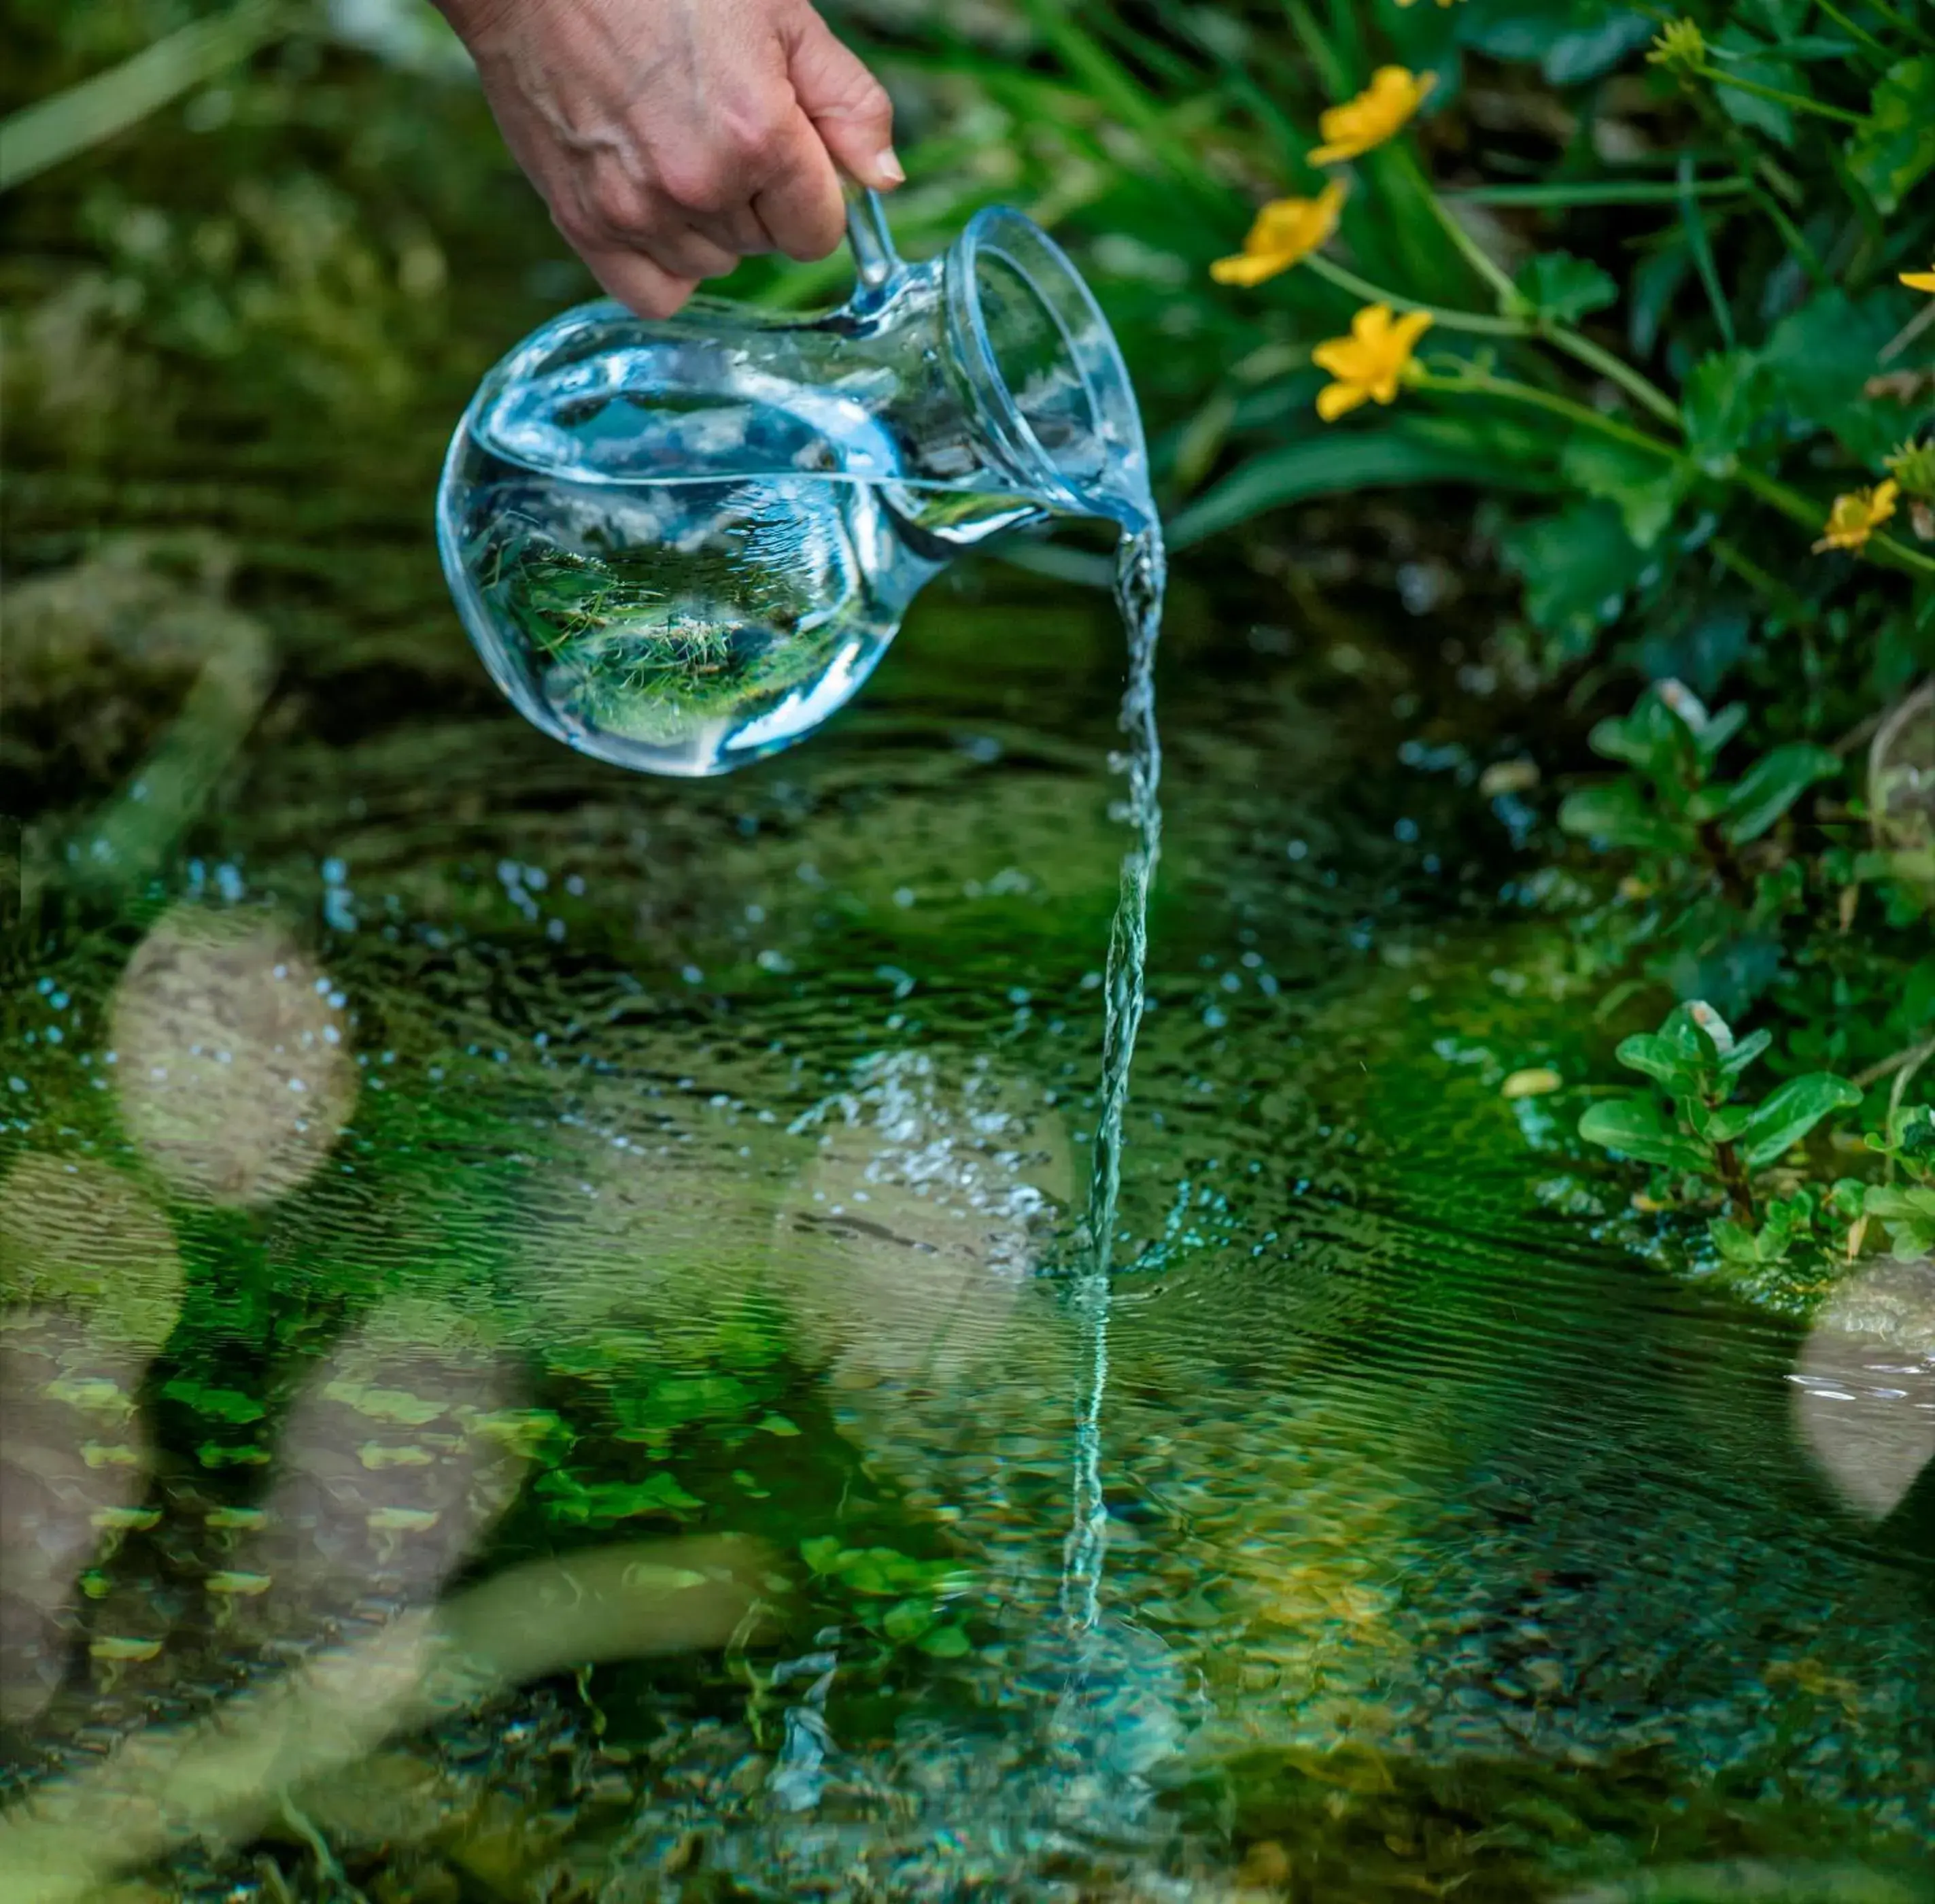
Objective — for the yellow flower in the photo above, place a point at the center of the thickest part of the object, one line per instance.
(1368, 364)
(1286, 230)
(1920, 280)
(1378, 113)
(1857, 515)
(1680, 43)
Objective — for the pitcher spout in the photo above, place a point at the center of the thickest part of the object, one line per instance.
(1042, 370)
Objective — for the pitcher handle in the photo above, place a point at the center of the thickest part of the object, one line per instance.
(875, 260)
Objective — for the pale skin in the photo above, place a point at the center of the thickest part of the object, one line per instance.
(671, 138)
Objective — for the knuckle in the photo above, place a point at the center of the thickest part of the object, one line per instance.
(618, 205)
(702, 185)
(753, 144)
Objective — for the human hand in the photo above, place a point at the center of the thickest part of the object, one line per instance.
(671, 138)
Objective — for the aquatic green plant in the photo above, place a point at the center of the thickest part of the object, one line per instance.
(899, 1599)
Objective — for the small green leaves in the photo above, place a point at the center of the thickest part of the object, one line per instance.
(1722, 401)
(1908, 1214)
(217, 1404)
(603, 1503)
(1561, 289)
(1819, 361)
(1616, 815)
(1771, 785)
(1645, 489)
(1635, 1128)
(1791, 1111)
(1694, 1061)
(1578, 567)
(1895, 149)
(918, 1588)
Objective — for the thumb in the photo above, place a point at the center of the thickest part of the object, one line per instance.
(849, 107)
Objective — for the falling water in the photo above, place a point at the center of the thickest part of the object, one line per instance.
(1139, 569)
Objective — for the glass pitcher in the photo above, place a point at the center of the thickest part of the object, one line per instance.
(680, 545)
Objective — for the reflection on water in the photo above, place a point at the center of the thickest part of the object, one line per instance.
(1864, 1388)
(608, 1435)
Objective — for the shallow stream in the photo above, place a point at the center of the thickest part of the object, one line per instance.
(644, 1219)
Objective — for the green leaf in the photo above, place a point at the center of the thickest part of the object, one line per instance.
(1616, 815)
(1721, 402)
(1784, 1118)
(1340, 462)
(1772, 785)
(1819, 361)
(1724, 1125)
(1736, 1243)
(822, 1554)
(218, 1404)
(947, 1643)
(1644, 488)
(1557, 285)
(1635, 1127)
(1742, 54)
(909, 1619)
(1744, 1052)
(599, 1503)
(1572, 40)
(1895, 150)
(1662, 1059)
(1578, 567)
(1909, 1215)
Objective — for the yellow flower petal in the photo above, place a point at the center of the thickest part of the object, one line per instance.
(1370, 364)
(1378, 114)
(1920, 280)
(1284, 232)
(1246, 268)
(1855, 516)
(1406, 331)
(1334, 399)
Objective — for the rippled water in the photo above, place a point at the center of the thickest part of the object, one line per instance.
(643, 1221)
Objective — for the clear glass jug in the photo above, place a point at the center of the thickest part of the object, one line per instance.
(681, 544)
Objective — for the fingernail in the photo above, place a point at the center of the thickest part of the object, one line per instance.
(888, 168)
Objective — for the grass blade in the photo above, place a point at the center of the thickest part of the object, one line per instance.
(41, 135)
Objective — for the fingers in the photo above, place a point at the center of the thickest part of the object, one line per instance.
(634, 280)
(849, 107)
(800, 204)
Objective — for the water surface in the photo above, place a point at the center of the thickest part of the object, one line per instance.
(506, 1166)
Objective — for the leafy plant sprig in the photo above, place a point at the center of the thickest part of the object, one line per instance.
(1696, 1064)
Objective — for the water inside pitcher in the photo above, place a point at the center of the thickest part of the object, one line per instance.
(680, 545)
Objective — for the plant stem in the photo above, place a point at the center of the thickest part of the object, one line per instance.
(1914, 1057)
(1791, 236)
(1479, 325)
(1734, 1179)
(1798, 101)
(1848, 25)
(1484, 381)
(1647, 394)
(1640, 191)
(1694, 221)
(1797, 508)
(1900, 26)
(1475, 255)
